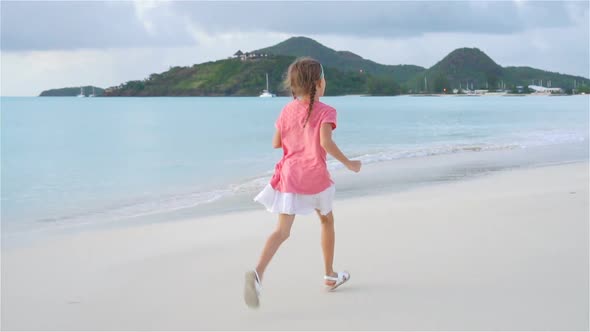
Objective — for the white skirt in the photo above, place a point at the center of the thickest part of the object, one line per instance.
(290, 203)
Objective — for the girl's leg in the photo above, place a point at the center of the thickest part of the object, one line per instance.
(273, 242)
(328, 241)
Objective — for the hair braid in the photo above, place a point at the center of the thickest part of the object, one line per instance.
(311, 100)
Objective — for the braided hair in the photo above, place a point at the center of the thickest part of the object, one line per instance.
(303, 76)
(311, 100)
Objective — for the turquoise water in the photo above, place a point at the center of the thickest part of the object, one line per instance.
(85, 161)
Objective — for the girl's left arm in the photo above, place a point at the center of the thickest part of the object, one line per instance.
(276, 140)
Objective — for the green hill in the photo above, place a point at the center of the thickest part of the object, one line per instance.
(343, 60)
(233, 77)
(72, 92)
(346, 72)
(472, 68)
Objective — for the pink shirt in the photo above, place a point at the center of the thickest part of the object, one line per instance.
(303, 169)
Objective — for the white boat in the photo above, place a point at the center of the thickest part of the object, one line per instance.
(81, 95)
(266, 93)
(92, 95)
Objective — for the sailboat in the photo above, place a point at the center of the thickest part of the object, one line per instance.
(92, 95)
(81, 95)
(266, 93)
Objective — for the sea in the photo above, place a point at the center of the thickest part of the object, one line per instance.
(78, 164)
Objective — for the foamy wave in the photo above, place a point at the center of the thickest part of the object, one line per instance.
(548, 137)
(250, 185)
(422, 152)
(517, 141)
(151, 206)
(145, 207)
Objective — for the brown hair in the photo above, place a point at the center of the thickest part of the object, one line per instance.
(302, 77)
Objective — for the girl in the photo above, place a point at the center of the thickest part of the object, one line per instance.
(301, 182)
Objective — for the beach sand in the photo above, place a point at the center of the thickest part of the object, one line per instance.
(506, 251)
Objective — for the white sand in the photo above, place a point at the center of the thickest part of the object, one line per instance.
(506, 251)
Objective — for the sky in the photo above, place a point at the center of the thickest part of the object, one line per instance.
(54, 44)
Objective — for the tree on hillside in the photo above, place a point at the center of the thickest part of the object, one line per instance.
(492, 80)
(382, 86)
(440, 84)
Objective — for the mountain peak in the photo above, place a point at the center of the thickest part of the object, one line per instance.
(301, 39)
(462, 63)
(469, 56)
(342, 60)
(300, 46)
(467, 51)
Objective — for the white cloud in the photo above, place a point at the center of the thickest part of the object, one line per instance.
(152, 13)
(131, 40)
(564, 50)
(28, 73)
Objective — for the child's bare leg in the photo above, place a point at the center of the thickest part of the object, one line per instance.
(328, 241)
(274, 241)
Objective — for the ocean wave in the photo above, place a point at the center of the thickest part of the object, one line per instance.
(514, 141)
(249, 186)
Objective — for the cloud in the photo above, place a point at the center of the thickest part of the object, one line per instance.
(74, 25)
(56, 44)
(27, 73)
(377, 19)
(63, 25)
(565, 50)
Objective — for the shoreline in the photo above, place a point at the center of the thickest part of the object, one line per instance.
(504, 251)
(376, 178)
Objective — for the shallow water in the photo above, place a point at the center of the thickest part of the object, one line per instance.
(82, 162)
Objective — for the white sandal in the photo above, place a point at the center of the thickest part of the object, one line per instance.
(252, 289)
(342, 278)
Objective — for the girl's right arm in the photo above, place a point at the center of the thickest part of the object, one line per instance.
(330, 146)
